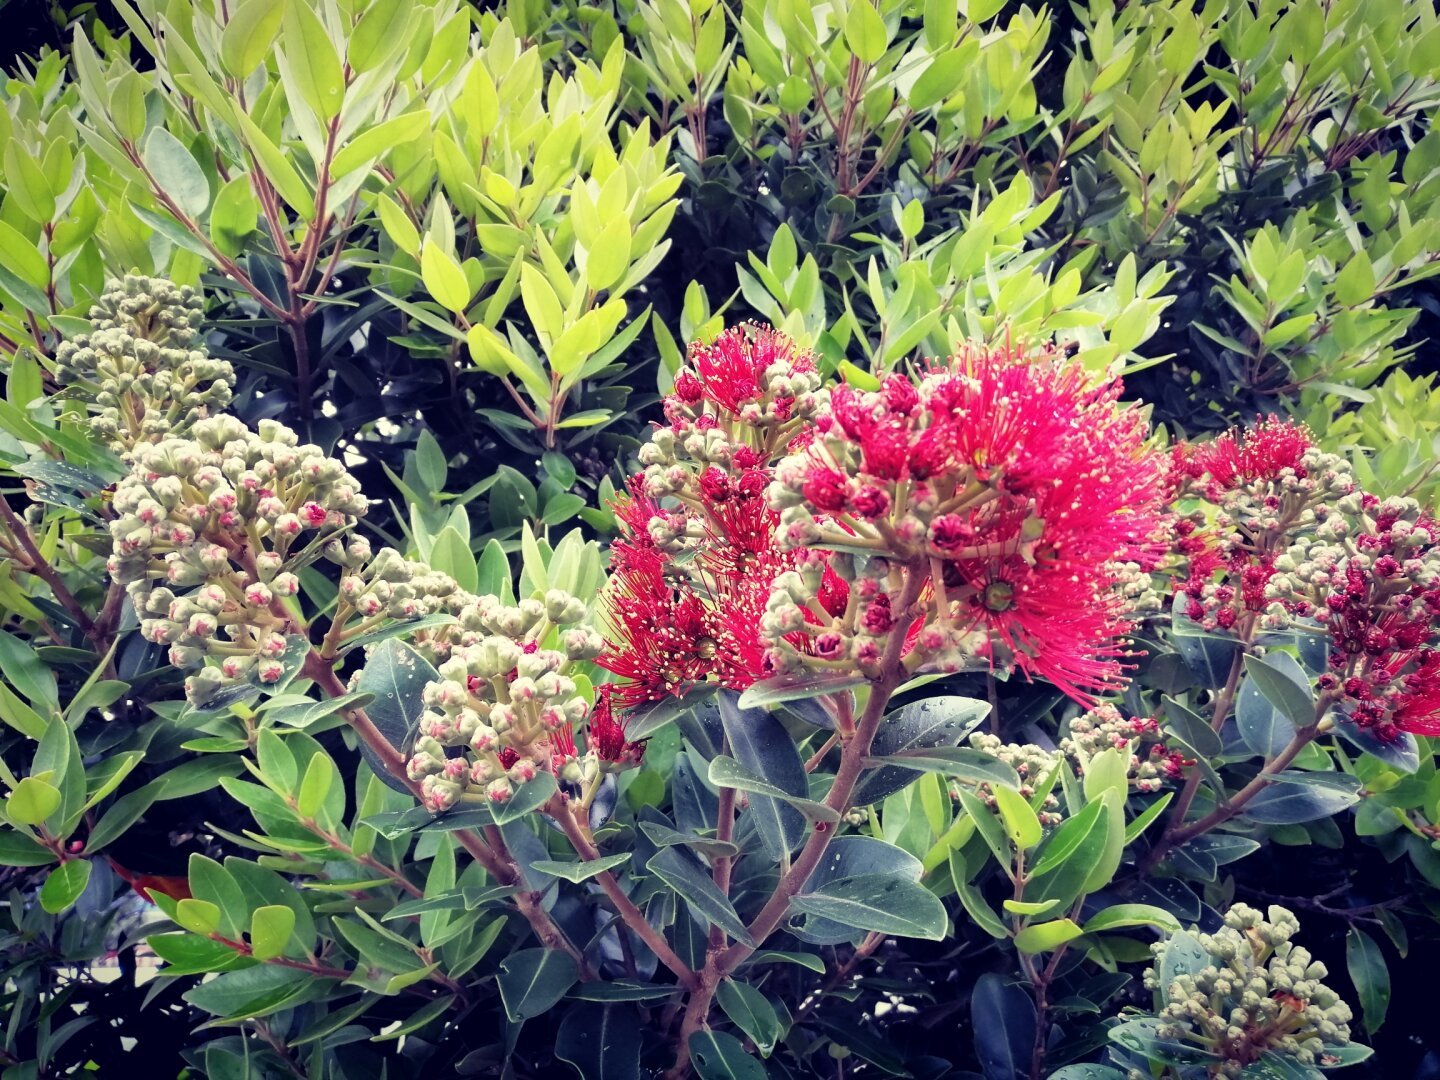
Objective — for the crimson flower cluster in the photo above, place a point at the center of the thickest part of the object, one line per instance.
(1381, 605)
(692, 569)
(1290, 539)
(1013, 478)
(1268, 482)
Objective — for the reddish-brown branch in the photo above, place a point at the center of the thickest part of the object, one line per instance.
(37, 564)
(563, 811)
(852, 763)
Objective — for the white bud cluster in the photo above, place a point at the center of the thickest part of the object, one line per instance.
(209, 534)
(1151, 762)
(141, 366)
(505, 696)
(1260, 994)
(1032, 763)
(389, 586)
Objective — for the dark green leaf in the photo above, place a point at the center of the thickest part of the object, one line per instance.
(877, 902)
(396, 675)
(600, 1041)
(790, 687)
(934, 722)
(750, 1011)
(707, 904)
(1370, 975)
(1141, 1037)
(532, 980)
(1275, 691)
(1196, 732)
(761, 744)
(1293, 799)
(727, 772)
(848, 856)
(962, 762)
(529, 796)
(1002, 1016)
(580, 871)
(1400, 751)
(256, 991)
(720, 1056)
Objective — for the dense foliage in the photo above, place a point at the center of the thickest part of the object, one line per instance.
(777, 538)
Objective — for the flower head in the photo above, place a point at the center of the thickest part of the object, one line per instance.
(1015, 481)
(606, 733)
(1262, 452)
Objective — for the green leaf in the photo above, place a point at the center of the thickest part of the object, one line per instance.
(17, 849)
(198, 916)
(26, 672)
(772, 956)
(374, 142)
(276, 166)
(312, 61)
(176, 172)
(450, 554)
(430, 462)
(1370, 975)
(250, 35)
(417, 1020)
(444, 279)
(32, 801)
(188, 954)
(1355, 284)
(980, 912)
(610, 257)
(1119, 916)
(384, 27)
(397, 225)
(879, 903)
(1066, 861)
(1285, 685)
(580, 871)
(257, 991)
(718, 1055)
(24, 258)
(1021, 824)
(865, 31)
(531, 981)
(64, 885)
(940, 79)
(750, 1011)
(707, 904)
(529, 796)
(1046, 936)
(27, 184)
(1028, 908)
(320, 776)
(270, 930)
